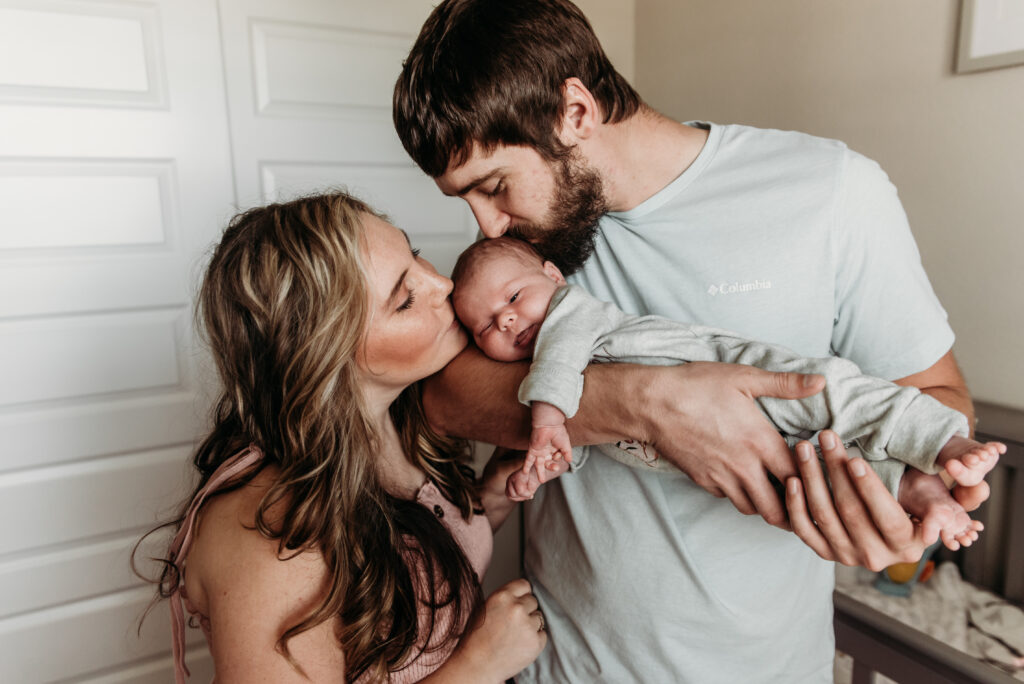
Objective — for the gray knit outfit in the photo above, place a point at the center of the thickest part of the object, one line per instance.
(885, 420)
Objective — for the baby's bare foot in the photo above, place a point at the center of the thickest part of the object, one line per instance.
(968, 461)
(926, 498)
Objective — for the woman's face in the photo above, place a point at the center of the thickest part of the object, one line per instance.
(412, 331)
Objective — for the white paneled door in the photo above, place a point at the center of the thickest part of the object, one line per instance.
(129, 132)
(115, 172)
(315, 110)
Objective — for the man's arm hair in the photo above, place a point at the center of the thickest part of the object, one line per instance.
(475, 397)
(944, 381)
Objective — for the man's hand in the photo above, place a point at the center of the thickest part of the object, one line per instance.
(858, 522)
(703, 419)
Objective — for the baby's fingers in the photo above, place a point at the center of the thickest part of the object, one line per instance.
(529, 461)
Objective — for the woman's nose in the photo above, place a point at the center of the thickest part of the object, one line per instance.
(442, 288)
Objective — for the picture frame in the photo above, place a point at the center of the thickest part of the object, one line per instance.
(991, 35)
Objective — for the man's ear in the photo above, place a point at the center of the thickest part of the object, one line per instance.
(580, 115)
(552, 271)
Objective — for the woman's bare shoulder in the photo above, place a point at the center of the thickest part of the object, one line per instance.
(229, 552)
(251, 593)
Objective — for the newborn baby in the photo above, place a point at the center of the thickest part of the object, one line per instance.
(518, 306)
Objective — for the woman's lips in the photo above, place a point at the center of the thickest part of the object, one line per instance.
(524, 338)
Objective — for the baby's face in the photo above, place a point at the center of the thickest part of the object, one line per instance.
(504, 303)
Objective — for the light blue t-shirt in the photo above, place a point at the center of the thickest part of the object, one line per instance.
(644, 577)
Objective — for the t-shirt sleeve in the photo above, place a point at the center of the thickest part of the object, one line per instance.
(888, 319)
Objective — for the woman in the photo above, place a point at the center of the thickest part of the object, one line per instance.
(333, 536)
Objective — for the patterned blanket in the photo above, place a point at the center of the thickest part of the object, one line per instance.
(949, 609)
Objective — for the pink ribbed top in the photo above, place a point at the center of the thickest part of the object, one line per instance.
(474, 537)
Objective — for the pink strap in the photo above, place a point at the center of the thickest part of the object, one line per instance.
(235, 465)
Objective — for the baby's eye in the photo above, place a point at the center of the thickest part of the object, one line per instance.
(514, 298)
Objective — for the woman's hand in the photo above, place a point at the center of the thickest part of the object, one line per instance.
(506, 635)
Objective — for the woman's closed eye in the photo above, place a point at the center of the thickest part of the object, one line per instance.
(409, 300)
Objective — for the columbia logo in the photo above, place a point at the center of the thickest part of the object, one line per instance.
(732, 288)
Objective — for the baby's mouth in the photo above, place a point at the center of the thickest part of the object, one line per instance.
(525, 338)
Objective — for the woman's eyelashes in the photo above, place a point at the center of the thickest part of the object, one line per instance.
(409, 300)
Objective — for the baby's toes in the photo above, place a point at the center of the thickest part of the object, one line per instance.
(949, 539)
(967, 536)
(964, 475)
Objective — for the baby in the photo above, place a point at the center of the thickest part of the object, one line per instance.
(517, 306)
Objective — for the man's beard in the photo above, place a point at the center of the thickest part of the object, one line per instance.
(566, 238)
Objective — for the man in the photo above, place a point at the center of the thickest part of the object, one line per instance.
(782, 237)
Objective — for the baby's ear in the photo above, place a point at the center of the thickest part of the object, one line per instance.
(552, 271)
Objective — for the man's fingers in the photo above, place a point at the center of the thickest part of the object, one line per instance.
(885, 513)
(785, 385)
(764, 498)
(880, 530)
(820, 505)
(777, 458)
(800, 519)
(739, 499)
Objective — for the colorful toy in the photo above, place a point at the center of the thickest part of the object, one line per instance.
(899, 579)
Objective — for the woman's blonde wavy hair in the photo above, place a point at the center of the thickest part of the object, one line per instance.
(284, 309)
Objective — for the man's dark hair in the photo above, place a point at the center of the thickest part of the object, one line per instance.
(491, 72)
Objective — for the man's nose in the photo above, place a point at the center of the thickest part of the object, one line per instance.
(492, 221)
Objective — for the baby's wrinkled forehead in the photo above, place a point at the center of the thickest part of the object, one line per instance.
(487, 253)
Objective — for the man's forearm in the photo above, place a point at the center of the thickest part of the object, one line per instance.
(956, 398)
(475, 398)
(944, 381)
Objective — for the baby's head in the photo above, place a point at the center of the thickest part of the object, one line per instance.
(502, 292)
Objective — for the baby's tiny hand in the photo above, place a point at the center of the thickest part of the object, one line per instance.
(547, 442)
(522, 485)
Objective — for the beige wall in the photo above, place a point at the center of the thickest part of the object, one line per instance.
(614, 22)
(877, 75)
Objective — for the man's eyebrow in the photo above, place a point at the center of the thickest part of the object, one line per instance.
(477, 181)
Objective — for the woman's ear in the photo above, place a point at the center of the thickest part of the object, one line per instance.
(580, 113)
(553, 272)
